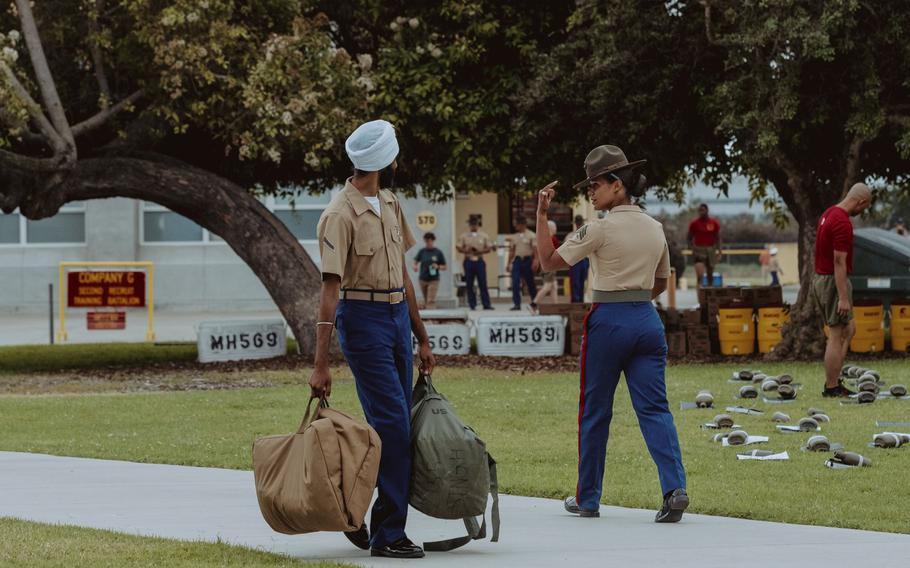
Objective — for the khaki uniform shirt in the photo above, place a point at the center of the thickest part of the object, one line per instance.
(363, 248)
(524, 243)
(479, 240)
(627, 248)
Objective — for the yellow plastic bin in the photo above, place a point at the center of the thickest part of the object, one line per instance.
(869, 316)
(770, 321)
(900, 324)
(736, 327)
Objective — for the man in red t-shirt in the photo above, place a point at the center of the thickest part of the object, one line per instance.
(831, 289)
(704, 240)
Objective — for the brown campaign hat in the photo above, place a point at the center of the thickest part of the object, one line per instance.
(603, 160)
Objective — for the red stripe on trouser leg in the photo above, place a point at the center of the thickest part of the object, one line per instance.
(581, 394)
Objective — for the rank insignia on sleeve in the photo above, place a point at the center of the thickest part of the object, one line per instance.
(328, 244)
(580, 234)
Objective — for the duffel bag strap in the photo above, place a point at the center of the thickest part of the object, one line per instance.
(311, 416)
(494, 491)
(475, 532)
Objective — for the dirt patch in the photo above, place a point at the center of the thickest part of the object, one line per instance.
(194, 376)
(124, 380)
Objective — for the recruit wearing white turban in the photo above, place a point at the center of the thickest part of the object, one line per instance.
(372, 146)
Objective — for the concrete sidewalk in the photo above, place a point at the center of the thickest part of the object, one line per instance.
(207, 504)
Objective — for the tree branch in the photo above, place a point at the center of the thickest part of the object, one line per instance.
(851, 168)
(105, 115)
(899, 120)
(57, 144)
(709, 32)
(43, 75)
(94, 30)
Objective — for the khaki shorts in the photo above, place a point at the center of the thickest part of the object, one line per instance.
(707, 255)
(429, 289)
(824, 294)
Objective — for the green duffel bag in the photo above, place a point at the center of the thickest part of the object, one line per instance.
(452, 471)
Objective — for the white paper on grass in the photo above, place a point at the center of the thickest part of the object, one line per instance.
(744, 410)
(713, 426)
(883, 423)
(749, 440)
(773, 457)
(785, 428)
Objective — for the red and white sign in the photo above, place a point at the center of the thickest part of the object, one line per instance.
(105, 320)
(105, 289)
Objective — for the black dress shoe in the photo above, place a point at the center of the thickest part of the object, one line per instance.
(572, 506)
(675, 502)
(359, 538)
(403, 548)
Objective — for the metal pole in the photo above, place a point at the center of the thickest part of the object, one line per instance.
(50, 311)
(671, 290)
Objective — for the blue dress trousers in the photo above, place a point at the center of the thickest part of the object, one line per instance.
(627, 338)
(476, 270)
(376, 341)
(522, 269)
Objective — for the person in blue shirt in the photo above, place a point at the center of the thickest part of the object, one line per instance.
(578, 273)
(430, 261)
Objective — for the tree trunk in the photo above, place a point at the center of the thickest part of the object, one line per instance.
(803, 337)
(219, 205)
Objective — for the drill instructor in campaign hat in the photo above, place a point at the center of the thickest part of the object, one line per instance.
(368, 296)
(622, 332)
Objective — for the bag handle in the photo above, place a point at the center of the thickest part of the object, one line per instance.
(307, 418)
(424, 378)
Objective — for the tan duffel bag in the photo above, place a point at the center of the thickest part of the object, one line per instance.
(320, 478)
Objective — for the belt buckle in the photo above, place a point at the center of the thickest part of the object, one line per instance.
(396, 297)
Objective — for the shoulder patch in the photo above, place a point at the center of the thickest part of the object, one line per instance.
(580, 234)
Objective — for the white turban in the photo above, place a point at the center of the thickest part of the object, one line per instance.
(372, 146)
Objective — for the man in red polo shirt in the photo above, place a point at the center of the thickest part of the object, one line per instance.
(831, 290)
(704, 240)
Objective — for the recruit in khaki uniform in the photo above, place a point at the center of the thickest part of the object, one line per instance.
(523, 256)
(362, 240)
(623, 333)
(473, 245)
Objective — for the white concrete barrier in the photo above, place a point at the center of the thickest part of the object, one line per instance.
(449, 331)
(521, 336)
(240, 340)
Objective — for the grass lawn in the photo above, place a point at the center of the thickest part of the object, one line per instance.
(38, 358)
(34, 544)
(529, 423)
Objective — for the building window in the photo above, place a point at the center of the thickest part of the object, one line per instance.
(163, 226)
(299, 212)
(66, 227)
(9, 229)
